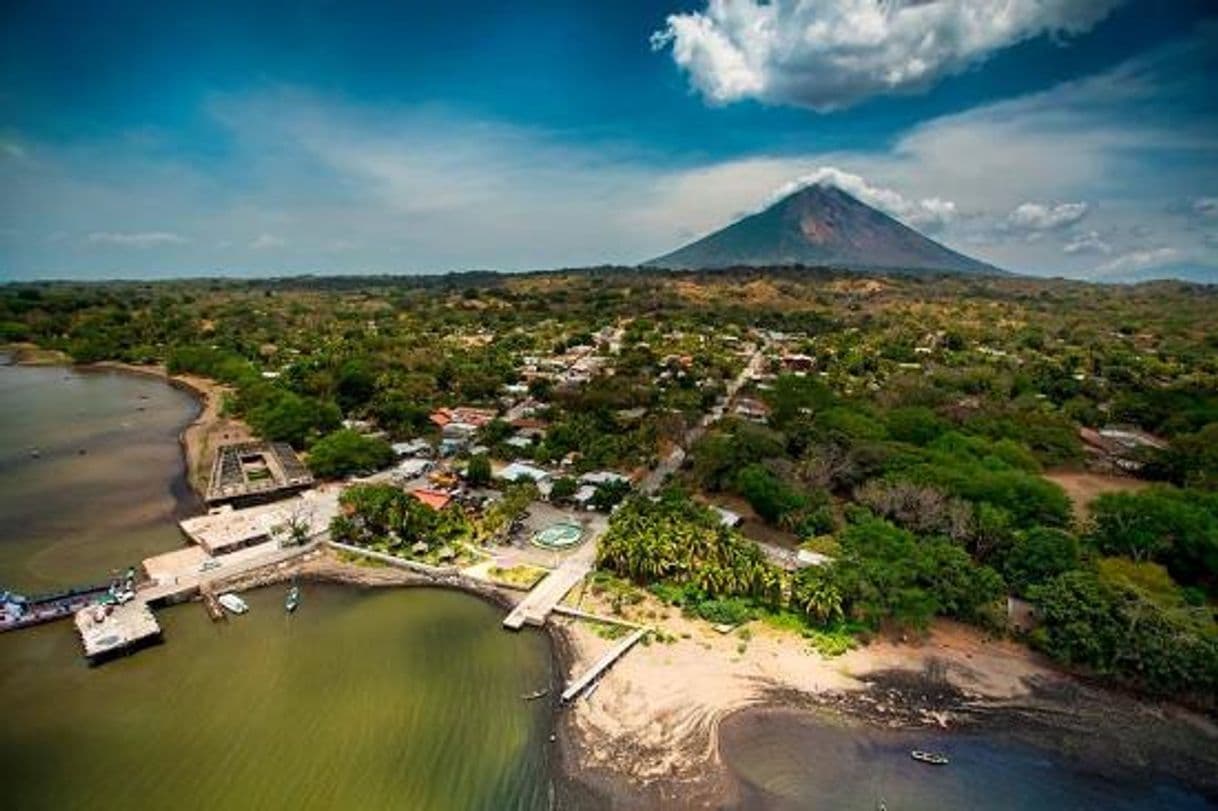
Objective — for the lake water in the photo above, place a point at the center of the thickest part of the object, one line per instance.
(400, 698)
(787, 761)
(91, 474)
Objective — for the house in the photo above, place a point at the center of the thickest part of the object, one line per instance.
(477, 417)
(751, 409)
(599, 477)
(518, 471)
(584, 495)
(413, 468)
(436, 499)
(796, 361)
(1120, 447)
(415, 447)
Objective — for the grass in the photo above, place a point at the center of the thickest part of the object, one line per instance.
(522, 576)
(608, 630)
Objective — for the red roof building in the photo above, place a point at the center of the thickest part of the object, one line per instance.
(436, 499)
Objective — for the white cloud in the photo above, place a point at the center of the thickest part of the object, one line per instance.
(1137, 260)
(931, 213)
(1087, 242)
(136, 239)
(264, 242)
(827, 54)
(349, 188)
(1206, 206)
(1046, 217)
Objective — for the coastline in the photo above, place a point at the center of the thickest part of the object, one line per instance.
(209, 428)
(649, 737)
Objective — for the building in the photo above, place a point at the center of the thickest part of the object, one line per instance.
(436, 499)
(477, 417)
(413, 468)
(753, 410)
(414, 447)
(519, 471)
(226, 529)
(246, 473)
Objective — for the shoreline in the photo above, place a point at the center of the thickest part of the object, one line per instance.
(208, 428)
(650, 735)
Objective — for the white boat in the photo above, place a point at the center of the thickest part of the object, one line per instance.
(233, 603)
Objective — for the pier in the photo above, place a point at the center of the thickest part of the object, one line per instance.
(107, 631)
(601, 665)
(536, 606)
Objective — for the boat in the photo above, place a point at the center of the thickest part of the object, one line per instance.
(536, 694)
(932, 758)
(293, 599)
(233, 603)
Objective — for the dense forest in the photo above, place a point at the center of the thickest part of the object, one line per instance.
(907, 431)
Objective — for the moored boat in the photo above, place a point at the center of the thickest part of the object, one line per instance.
(293, 599)
(931, 758)
(536, 694)
(233, 603)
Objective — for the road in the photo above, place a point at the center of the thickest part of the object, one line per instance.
(672, 462)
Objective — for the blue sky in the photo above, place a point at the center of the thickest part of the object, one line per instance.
(1059, 137)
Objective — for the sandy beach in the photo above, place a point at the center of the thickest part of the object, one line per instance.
(652, 724)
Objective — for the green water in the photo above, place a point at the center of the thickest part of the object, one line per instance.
(403, 698)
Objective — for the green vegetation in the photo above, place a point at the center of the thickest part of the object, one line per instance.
(345, 452)
(386, 519)
(910, 423)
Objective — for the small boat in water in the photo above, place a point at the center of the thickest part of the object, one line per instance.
(293, 599)
(931, 758)
(536, 694)
(233, 603)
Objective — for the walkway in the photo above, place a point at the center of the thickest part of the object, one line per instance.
(604, 663)
(536, 606)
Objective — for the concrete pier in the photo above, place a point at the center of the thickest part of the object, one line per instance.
(601, 665)
(107, 631)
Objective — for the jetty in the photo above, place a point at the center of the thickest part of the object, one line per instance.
(536, 606)
(110, 630)
(601, 665)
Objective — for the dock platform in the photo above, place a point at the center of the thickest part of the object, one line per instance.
(536, 606)
(110, 630)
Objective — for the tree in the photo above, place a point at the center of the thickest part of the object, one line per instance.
(1178, 528)
(815, 592)
(564, 487)
(770, 496)
(344, 452)
(478, 471)
(1038, 555)
(609, 494)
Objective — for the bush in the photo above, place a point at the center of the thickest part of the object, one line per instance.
(732, 611)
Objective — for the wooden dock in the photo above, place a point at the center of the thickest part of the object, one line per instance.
(602, 664)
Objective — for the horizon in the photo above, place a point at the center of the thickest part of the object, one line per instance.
(1056, 139)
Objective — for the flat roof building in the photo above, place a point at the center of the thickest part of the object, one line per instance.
(246, 473)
